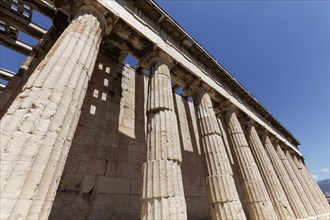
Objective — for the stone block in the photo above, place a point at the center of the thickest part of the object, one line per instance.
(198, 208)
(196, 191)
(132, 152)
(88, 183)
(109, 153)
(102, 207)
(111, 185)
(128, 171)
(72, 164)
(126, 207)
(135, 187)
(191, 179)
(70, 182)
(96, 167)
(111, 168)
(127, 131)
(69, 206)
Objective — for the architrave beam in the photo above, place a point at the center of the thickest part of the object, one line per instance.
(147, 31)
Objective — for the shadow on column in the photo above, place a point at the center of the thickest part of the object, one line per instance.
(192, 165)
(90, 177)
(229, 149)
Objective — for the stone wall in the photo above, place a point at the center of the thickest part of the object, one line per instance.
(102, 175)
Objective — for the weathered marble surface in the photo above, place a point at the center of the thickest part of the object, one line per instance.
(293, 176)
(222, 193)
(37, 130)
(288, 186)
(274, 188)
(255, 193)
(162, 186)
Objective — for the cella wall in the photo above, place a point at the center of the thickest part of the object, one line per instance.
(103, 172)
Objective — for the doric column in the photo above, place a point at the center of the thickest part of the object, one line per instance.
(37, 130)
(273, 185)
(222, 194)
(162, 191)
(290, 190)
(254, 189)
(312, 197)
(312, 185)
(295, 181)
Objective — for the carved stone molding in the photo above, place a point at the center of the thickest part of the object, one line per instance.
(225, 107)
(74, 7)
(191, 88)
(90, 9)
(156, 56)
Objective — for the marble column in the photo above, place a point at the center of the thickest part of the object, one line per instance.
(312, 185)
(162, 190)
(37, 130)
(312, 197)
(295, 181)
(277, 195)
(220, 185)
(255, 192)
(290, 190)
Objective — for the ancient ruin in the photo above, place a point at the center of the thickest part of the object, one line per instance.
(86, 136)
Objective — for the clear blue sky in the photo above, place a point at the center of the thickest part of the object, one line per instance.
(279, 51)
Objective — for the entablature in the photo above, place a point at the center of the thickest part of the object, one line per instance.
(223, 84)
(141, 26)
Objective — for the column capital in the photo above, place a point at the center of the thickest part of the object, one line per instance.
(157, 56)
(191, 88)
(177, 80)
(225, 107)
(299, 157)
(264, 133)
(275, 141)
(90, 9)
(285, 147)
(198, 95)
(248, 121)
(287, 151)
(293, 153)
(79, 7)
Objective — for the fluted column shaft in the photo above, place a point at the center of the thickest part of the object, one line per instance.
(295, 181)
(274, 187)
(315, 202)
(254, 189)
(290, 190)
(222, 194)
(37, 130)
(162, 191)
(312, 185)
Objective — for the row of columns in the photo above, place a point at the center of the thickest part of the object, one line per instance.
(37, 131)
(222, 194)
(276, 184)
